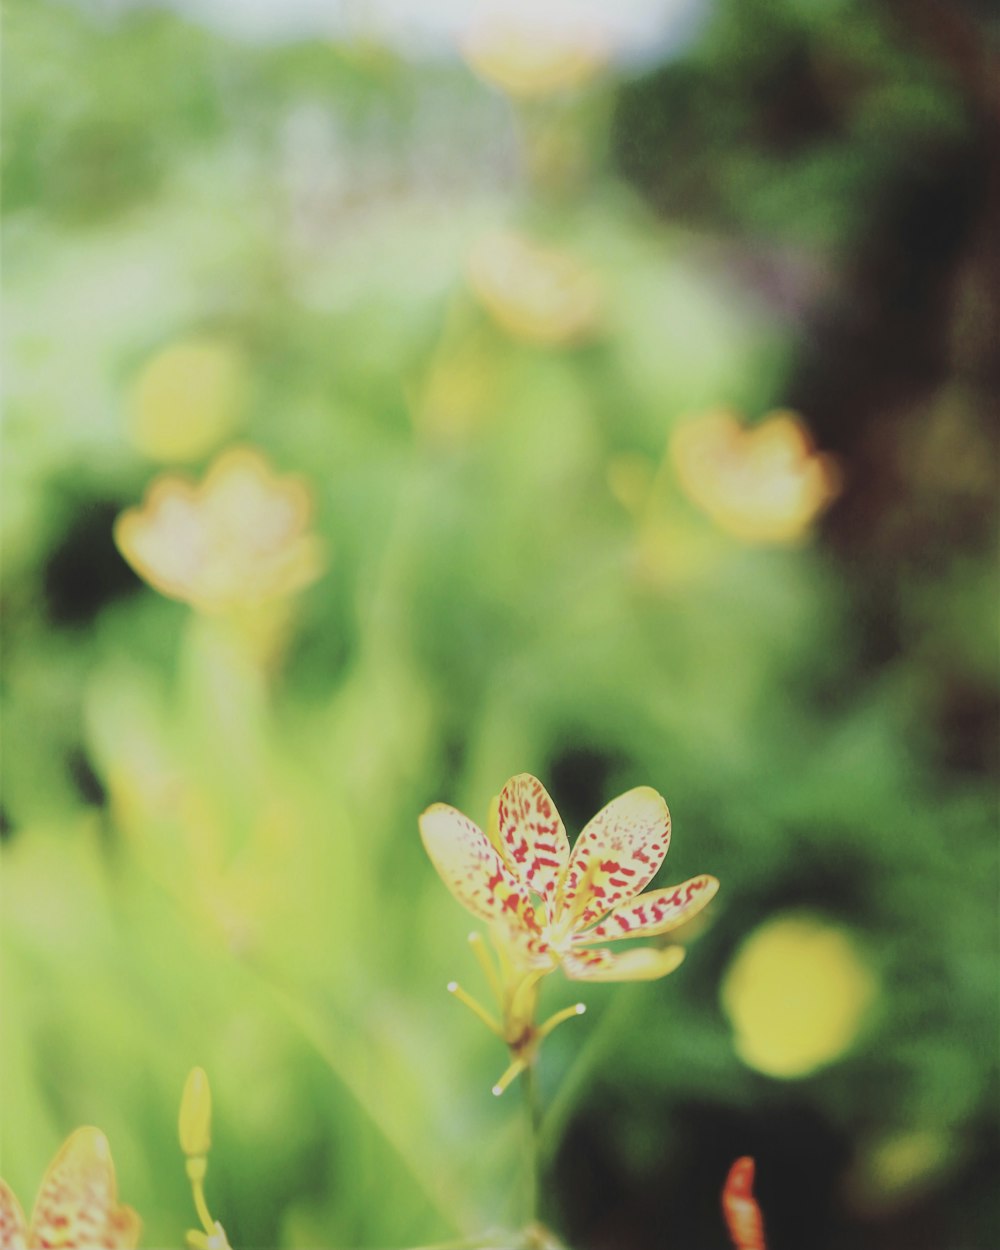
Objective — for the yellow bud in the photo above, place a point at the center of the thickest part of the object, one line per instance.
(195, 1121)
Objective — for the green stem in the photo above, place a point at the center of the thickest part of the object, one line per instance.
(595, 1051)
(201, 1207)
(529, 1087)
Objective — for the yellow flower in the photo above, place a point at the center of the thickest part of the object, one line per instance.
(77, 1205)
(763, 484)
(536, 294)
(797, 995)
(238, 539)
(552, 908)
(528, 55)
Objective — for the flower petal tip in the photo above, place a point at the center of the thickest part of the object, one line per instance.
(739, 1182)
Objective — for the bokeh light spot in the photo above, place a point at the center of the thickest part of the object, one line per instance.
(797, 995)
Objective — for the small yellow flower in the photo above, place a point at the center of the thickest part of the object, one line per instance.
(77, 1205)
(530, 54)
(552, 908)
(238, 539)
(763, 484)
(536, 294)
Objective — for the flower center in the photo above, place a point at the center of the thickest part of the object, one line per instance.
(558, 935)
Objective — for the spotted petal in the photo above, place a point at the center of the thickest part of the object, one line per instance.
(658, 911)
(617, 854)
(743, 1218)
(13, 1230)
(533, 840)
(471, 868)
(645, 963)
(77, 1205)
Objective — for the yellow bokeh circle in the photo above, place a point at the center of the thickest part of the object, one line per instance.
(797, 995)
(187, 399)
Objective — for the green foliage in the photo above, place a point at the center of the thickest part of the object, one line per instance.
(210, 854)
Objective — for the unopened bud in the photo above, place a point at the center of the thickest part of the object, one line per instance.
(195, 1121)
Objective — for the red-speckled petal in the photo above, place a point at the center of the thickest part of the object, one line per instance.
(743, 1218)
(645, 963)
(658, 911)
(13, 1229)
(617, 855)
(472, 869)
(532, 836)
(524, 948)
(77, 1206)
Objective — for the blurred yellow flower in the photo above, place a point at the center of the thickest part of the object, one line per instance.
(529, 55)
(763, 484)
(187, 399)
(195, 1132)
(536, 294)
(77, 1205)
(239, 539)
(548, 906)
(797, 995)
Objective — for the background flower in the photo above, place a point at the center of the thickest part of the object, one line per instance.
(241, 537)
(761, 483)
(541, 295)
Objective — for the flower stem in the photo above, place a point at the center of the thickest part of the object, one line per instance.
(201, 1207)
(592, 1054)
(531, 1120)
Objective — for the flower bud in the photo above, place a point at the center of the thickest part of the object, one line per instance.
(195, 1121)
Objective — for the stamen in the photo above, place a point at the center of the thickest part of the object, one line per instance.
(486, 963)
(473, 1006)
(553, 1022)
(515, 1069)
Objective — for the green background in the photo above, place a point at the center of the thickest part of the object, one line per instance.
(206, 864)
